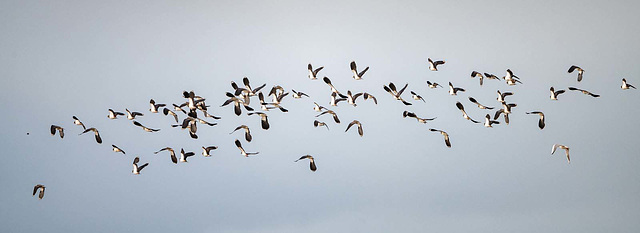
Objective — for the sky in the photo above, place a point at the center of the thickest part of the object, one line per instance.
(61, 59)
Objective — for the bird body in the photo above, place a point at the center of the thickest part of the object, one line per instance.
(40, 188)
(565, 148)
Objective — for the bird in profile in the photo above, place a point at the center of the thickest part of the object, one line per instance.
(137, 169)
(565, 148)
(584, 92)
(60, 130)
(454, 90)
(313, 74)
(263, 119)
(433, 65)
(511, 79)
(207, 150)
(335, 116)
(395, 93)
(247, 88)
(491, 76)
(355, 122)
(502, 96)
(117, 149)
(185, 155)
(580, 71)
(166, 111)
(335, 100)
(488, 122)
(174, 159)
(114, 114)
(625, 85)
(298, 94)
(541, 121)
(247, 132)
(333, 89)
(416, 96)
(446, 136)
(369, 96)
(354, 69)
(317, 107)
(95, 132)
(413, 115)
(479, 105)
(317, 123)
(506, 110)
(132, 115)
(242, 151)
(554, 93)
(464, 113)
(433, 85)
(154, 107)
(476, 74)
(144, 127)
(312, 163)
(78, 122)
(41, 188)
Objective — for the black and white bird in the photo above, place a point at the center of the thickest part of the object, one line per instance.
(78, 122)
(541, 121)
(114, 114)
(625, 85)
(369, 96)
(413, 115)
(506, 110)
(247, 87)
(488, 122)
(476, 74)
(433, 85)
(355, 122)
(41, 188)
(491, 76)
(317, 107)
(479, 105)
(179, 107)
(206, 114)
(416, 96)
(137, 169)
(446, 136)
(117, 149)
(312, 163)
(335, 116)
(174, 159)
(565, 148)
(354, 69)
(247, 132)
(333, 89)
(554, 93)
(464, 113)
(298, 94)
(95, 132)
(433, 65)
(166, 111)
(317, 123)
(335, 100)
(580, 71)
(185, 155)
(511, 79)
(154, 107)
(584, 92)
(454, 90)
(60, 130)
(313, 74)
(144, 127)
(132, 115)
(242, 151)
(395, 93)
(263, 119)
(206, 151)
(264, 105)
(206, 122)
(237, 103)
(502, 96)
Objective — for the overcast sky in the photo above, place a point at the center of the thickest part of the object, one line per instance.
(60, 59)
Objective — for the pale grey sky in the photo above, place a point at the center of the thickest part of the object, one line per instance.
(60, 59)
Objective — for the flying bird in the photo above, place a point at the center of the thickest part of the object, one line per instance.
(242, 151)
(413, 115)
(166, 111)
(132, 115)
(185, 155)
(247, 133)
(355, 122)
(154, 107)
(554, 93)
(369, 96)
(333, 89)
(317, 107)
(511, 79)
(354, 69)
(117, 149)
(454, 90)
(433, 85)
(78, 122)
(174, 159)
(580, 71)
(464, 114)
(396, 94)
(446, 136)
(298, 95)
(313, 74)
(144, 127)
(317, 123)
(114, 114)
(583, 92)
(335, 100)
(136, 169)
(60, 130)
(565, 148)
(39, 187)
(416, 96)
(476, 74)
(433, 66)
(95, 132)
(206, 150)
(502, 96)
(488, 122)
(335, 116)
(263, 119)
(312, 163)
(541, 121)
(479, 105)
(625, 85)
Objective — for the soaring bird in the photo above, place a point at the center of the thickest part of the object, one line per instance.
(97, 134)
(454, 90)
(354, 69)
(554, 93)
(242, 151)
(117, 149)
(298, 94)
(313, 74)
(433, 85)
(395, 93)
(312, 163)
(541, 121)
(60, 130)
(236, 104)
(433, 66)
(114, 114)
(446, 136)
(154, 107)
(247, 133)
(488, 122)
(479, 105)
(335, 116)
(185, 155)
(464, 114)
(355, 122)
(78, 122)
(206, 150)
(39, 187)
(625, 85)
(416, 96)
(317, 123)
(137, 169)
(583, 92)
(174, 159)
(565, 148)
(580, 71)
(413, 115)
(166, 111)
(263, 119)
(132, 115)
(144, 127)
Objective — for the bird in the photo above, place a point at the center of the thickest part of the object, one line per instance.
(477, 74)
(236, 104)
(333, 89)
(317, 123)
(584, 92)
(433, 66)
(137, 169)
(580, 71)
(97, 134)
(317, 107)
(506, 110)
(335, 100)
(488, 122)
(247, 132)
(501, 96)
(263, 119)
(185, 155)
(454, 90)
(313, 73)
(335, 116)
(554, 93)
(78, 122)
(207, 150)
(179, 107)
(174, 159)
(446, 136)
(433, 85)
(479, 105)
(113, 114)
(206, 114)
(132, 115)
(154, 107)
(242, 151)
(355, 122)
(464, 114)
(413, 115)
(625, 85)
(351, 99)
(60, 130)
(250, 91)
(541, 121)
(298, 95)
(511, 79)
(369, 96)
(565, 148)
(205, 122)
(117, 149)
(491, 76)
(396, 94)
(416, 96)
(312, 163)
(144, 127)
(41, 188)
(356, 75)
(166, 111)
(264, 105)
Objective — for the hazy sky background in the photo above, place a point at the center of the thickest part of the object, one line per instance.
(60, 59)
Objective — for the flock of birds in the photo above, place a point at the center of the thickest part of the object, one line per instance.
(193, 110)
